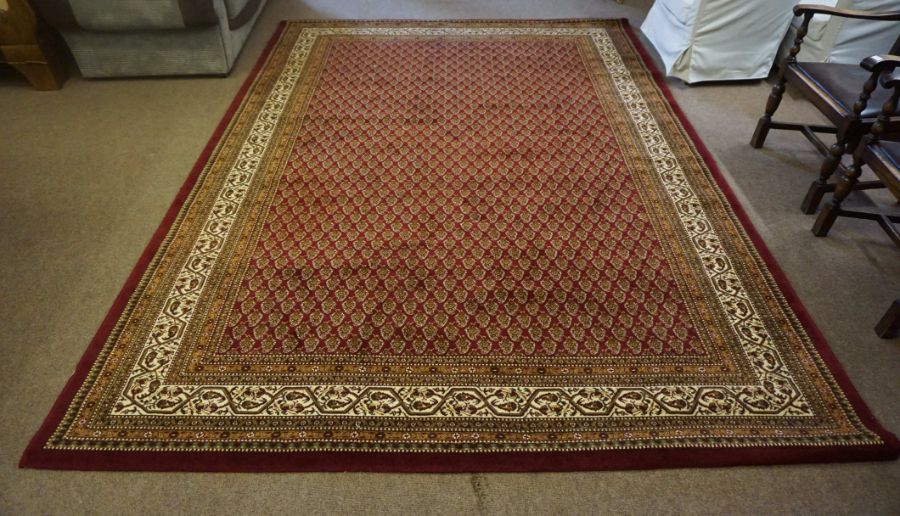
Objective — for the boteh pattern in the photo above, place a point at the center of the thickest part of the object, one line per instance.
(456, 237)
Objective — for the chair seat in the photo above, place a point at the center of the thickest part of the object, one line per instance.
(842, 84)
(891, 152)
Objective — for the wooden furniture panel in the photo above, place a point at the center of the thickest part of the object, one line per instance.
(26, 45)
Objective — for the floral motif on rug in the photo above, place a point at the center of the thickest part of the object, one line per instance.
(455, 245)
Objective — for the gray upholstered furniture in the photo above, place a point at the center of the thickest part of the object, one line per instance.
(116, 38)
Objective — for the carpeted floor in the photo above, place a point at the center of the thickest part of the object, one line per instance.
(111, 160)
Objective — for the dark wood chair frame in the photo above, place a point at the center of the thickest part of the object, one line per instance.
(889, 325)
(869, 152)
(848, 127)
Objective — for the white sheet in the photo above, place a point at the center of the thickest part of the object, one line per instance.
(725, 39)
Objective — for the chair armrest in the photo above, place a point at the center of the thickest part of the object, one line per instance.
(877, 64)
(811, 9)
(891, 79)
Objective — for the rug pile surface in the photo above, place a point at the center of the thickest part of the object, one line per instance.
(455, 246)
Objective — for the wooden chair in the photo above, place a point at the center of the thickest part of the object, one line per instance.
(882, 157)
(842, 92)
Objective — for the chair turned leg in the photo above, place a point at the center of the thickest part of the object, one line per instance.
(826, 219)
(819, 187)
(765, 121)
(831, 211)
(889, 325)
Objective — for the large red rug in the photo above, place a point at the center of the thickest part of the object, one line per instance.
(450, 246)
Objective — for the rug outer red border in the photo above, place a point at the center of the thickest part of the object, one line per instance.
(435, 462)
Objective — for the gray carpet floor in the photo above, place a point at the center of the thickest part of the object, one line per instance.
(87, 173)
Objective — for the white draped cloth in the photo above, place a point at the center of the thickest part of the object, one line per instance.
(715, 40)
